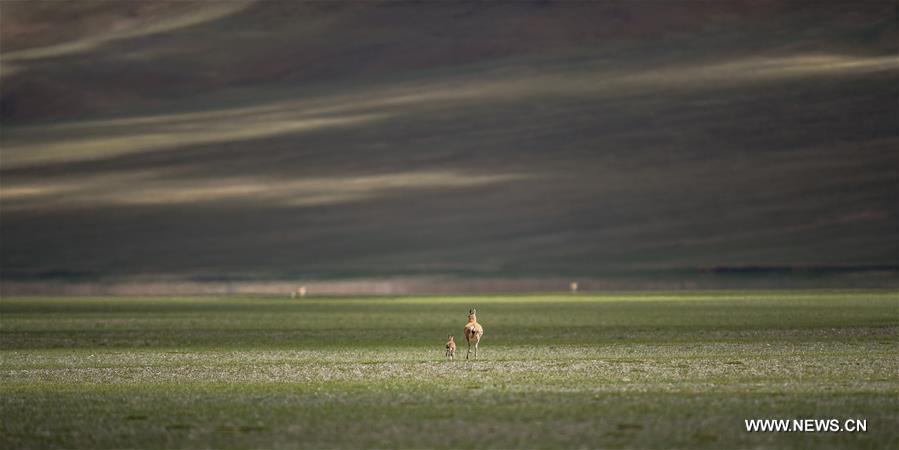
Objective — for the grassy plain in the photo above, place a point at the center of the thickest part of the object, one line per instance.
(650, 370)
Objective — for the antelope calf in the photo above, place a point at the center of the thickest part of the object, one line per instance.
(473, 332)
(451, 347)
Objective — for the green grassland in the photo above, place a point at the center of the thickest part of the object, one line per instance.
(650, 370)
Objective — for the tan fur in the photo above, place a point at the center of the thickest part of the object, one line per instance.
(451, 347)
(473, 332)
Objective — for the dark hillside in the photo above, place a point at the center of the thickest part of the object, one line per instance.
(503, 139)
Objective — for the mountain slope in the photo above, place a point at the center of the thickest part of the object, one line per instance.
(279, 139)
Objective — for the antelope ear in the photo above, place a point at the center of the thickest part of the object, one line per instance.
(474, 311)
(470, 311)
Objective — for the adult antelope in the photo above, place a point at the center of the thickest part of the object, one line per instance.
(473, 332)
